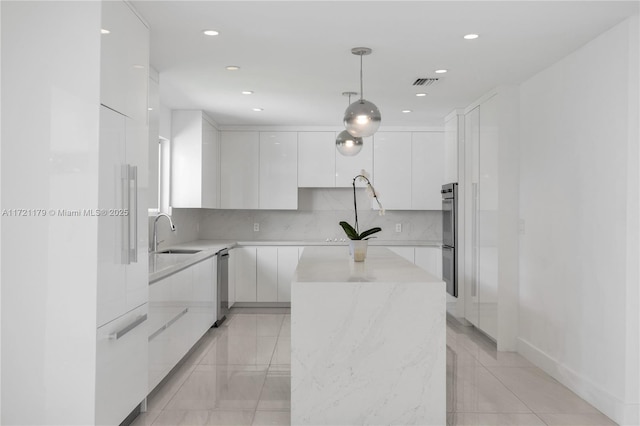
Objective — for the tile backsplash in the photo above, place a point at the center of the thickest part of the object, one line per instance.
(317, 217)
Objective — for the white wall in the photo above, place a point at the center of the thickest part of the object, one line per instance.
(579, 200)
(50, 98)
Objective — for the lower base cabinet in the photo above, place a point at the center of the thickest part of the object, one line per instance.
(182, 307)
(121, 366)
(264, 273)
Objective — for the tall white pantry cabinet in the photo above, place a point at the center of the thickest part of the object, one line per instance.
(74, 287)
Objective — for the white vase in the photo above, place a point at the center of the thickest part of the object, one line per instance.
(358, 249)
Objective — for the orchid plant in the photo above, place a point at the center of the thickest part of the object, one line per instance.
(353, 232)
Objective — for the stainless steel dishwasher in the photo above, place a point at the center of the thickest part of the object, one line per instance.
(223, 286)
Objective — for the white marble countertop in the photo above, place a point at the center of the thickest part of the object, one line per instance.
(372, 242)
(162, 265)
(334, 265)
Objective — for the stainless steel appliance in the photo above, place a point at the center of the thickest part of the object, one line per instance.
(449, 237)
(223, 286)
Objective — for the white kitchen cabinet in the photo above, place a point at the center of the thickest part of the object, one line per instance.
(121, 366)
(429, 259)
(245, 282)
(427, 170)
(267, 274)
(239, 170)
(195, 160)
(287, 263)
(406, 252)
(317, 159)
(181, 310)
(348, 167)
(124, 61)
(122, 237)
(278, 171)
(453, 135)
(205, 292)
(392, 168)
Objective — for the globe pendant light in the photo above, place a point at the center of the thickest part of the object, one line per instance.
(345, 143)
(362, 118)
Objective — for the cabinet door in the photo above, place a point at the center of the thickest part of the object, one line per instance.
(112, 244)
(472, 160)
(427, 170)
(392, 167)
(429, 259)
(316, 159)
(278, 170)
(205, 292)
(452, 132)
(124, 67)
(267, 274)
(210, 166)
(287, 264)
(406, 252)
(239, 165)
(349, 167)
(121, 366)
(245, 288)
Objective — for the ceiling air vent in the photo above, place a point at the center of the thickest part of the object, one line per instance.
(424, 81)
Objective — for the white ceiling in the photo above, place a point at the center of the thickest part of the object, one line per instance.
(296, 55)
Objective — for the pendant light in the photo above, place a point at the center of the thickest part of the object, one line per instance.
(345, 143)
(362, 118)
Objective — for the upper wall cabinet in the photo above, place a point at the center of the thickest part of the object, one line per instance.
(239, 170)
(409, 169)
(278, 170)
(392, 165)
(195, 160)
(427, 170)
(320, 165)
(124, 61)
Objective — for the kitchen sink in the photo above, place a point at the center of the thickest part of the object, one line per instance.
(179, 251)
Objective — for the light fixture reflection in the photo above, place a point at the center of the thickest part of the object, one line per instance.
(348, 145)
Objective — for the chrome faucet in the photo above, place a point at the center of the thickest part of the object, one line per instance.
(155, 230)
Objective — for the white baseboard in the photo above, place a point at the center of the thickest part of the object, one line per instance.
(619, 411)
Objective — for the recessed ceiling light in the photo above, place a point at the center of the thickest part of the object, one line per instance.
(257, 109)
(150, 109)
(233, 68)
(441, 71)
(139, 67)
(471, 36)
(406, 111)
(210, 32)
(421, 94)
(247, 92)
(103, 31)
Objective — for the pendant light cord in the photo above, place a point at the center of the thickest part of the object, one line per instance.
(361, 90)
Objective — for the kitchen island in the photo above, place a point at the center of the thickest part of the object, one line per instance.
(367, 340)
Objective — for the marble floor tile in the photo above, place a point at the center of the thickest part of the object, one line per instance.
(230, 348)
(226, 418)
(540, 392)
(276, 392)
(282, 352)
(220, 387)
(493, 419)
(279, 418)
(576, 419)
(240, 374)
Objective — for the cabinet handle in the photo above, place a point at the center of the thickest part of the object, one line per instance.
(167, 325)
(133, 214)
(118, 334)
(126, 231)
